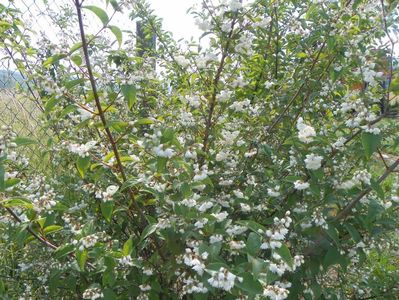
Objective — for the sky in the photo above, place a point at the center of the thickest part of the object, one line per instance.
(175, 18)
(173, 13)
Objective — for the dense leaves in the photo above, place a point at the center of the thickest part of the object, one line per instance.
(257, 162)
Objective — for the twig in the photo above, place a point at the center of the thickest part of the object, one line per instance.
(40, 238)
(382, 158)
(345, 212)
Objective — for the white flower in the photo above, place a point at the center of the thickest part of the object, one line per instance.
(277, 269)
(238, 194)
(236, 245)
(269, 84)
(222, 156)
(190, 155)
(108, 194)
(313, 162)
(194, 101)
(222, 279)
(300, 185)
(346, 185)
(192, 260)
(235, 5)
(145, 287)
(205, 206)
(245, 207)
(235, 230)
(362, 176)
(200, 223)
(273, 192)
(220, 216)
(182, 61)
(84, 114)
(305, 132)
(88, 241)
(215, 238)
(148, 271)
(126, 261)
(92, 294)
(274, 292)
(203, 24)
(83, 149)
(168, 152)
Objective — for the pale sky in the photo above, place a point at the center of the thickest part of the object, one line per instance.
(175, 18)
(173, 13)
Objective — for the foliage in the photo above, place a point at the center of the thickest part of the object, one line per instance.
(239, 166)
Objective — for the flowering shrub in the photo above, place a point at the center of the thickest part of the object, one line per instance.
(249, 166)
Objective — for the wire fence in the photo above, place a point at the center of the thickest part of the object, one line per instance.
(18, 108)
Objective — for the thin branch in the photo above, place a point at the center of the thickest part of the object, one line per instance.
(382, 158)
(346, 211)
(40, 238)
(212, 104)
(95, 92)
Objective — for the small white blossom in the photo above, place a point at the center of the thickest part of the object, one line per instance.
(223, 279)
(92, 294)
(305, 132)
(300, 185)
(313, 162)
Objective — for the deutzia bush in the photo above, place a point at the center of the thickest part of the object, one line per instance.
(255, 163)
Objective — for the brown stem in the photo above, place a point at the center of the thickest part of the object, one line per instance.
(382, 158)
(40, 238)
(212, 104)
(345, 212)
(95, 93)
(104, 122)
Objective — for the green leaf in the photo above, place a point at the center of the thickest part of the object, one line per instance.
(107, 209)
(23, 141)
(41, 222)
(255, 227)
(52, 228)
(253, 243)
(127, 247)
(109, 294)
(333, 234)
(167, 135)
(150, 229)
(285, 254)
(2, 181)
(332, 257)
(249, 284)
(77, 59)
(17, 202)
(100, 13)
(144, 121)
(72, 83)
(353, 232)
(83, 164)
(115, 5)
(11, 182)
(395, 86)
(370, 143)
(129, 92)
(117, 32)
(302, 55)
(81, 257)
(161, 164)
(258, 265)
(50, 104)
(377, 188)
(75, 47)
(53, 59)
